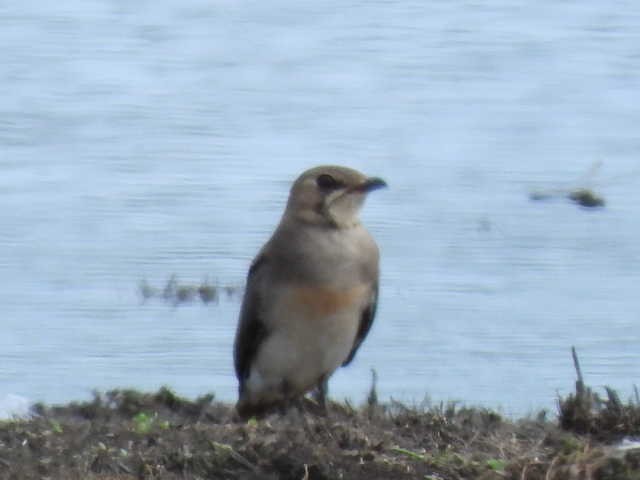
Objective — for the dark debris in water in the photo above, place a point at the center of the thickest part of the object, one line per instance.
(176, 293)
(583, 197)
(580, 195)
(586, 198)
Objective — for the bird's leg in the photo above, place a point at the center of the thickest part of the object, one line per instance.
(289, 400)
(320, 393)
(298, 404)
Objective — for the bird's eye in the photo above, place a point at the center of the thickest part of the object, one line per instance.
(327, 182)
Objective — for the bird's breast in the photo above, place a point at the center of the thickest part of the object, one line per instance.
(320, 302)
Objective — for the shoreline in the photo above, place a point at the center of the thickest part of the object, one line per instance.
(128, 434)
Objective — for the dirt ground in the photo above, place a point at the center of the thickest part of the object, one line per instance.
(125, 434)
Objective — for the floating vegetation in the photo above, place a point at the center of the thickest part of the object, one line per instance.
(586, 198)
(579, 194)
(177, 293)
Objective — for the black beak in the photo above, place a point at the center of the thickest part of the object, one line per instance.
(370, 184)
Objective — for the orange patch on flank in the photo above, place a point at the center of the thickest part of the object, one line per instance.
(327, 301)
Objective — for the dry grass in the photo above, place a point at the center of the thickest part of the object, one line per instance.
(126, 434)
(605, 418)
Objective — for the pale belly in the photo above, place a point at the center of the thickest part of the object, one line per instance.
(312, 333)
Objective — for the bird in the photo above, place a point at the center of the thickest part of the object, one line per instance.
(311, 293)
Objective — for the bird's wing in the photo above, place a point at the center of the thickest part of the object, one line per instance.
(251, 329)
(366, 320)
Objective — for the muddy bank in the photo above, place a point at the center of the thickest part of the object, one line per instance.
(125, 434)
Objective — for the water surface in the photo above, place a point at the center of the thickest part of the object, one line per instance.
(157, 138)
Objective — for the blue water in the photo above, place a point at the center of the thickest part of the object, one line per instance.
(144, 139)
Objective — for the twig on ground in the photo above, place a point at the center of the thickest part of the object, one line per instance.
(576, 363)
(233, 454)
(372, 398)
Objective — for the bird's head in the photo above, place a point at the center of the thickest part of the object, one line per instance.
(330, 195)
